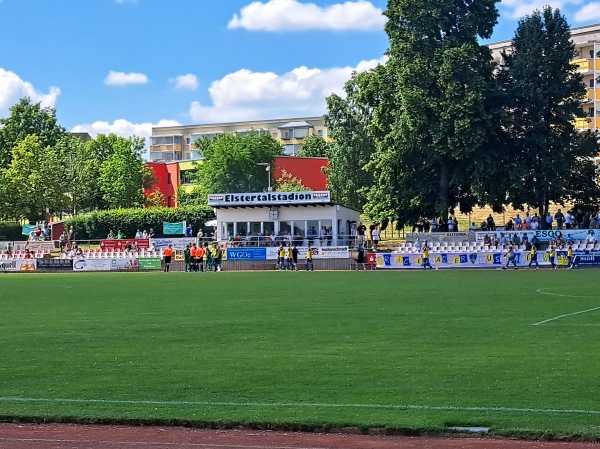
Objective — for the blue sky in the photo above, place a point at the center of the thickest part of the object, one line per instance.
(124, 66)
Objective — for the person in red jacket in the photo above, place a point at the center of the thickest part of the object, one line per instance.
(167, 255)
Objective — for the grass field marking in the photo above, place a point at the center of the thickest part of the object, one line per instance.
(306, 405)
(539, 290)
(564, 316)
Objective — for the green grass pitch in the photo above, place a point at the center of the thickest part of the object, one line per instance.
(516, 351)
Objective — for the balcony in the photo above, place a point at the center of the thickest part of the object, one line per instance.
(166, 148)
(587, 123)
(587, 65)
(593, 93)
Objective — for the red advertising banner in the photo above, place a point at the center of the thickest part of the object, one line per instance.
(122, 244)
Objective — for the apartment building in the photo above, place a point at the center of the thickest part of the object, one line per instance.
(587, 44)
(176, 143)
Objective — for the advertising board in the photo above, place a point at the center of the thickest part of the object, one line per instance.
(149, 263)
(92, 264)
(18, 265)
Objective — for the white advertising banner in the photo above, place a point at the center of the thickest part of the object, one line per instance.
(92, 264)
(319, 252)
(542, 236)
(18, 265)
(177, 243)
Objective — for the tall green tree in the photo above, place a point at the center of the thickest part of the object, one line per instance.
(348, 120)
(314, 146)
(430, 137)
(33, 182)
(230, 163)
(123, 174)
(548, 159)
(27, 118)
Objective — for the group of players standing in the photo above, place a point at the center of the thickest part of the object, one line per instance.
(200, 258)
(287, 258)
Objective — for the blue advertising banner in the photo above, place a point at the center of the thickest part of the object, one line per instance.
(587, 260)
(246, 253)
(482, 259)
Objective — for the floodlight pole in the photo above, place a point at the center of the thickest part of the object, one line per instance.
(267, 166)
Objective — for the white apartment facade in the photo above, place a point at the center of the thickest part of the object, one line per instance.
(176, 143)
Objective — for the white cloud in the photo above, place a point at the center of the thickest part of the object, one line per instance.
(188, 81)
(517, 9)
(591, 11)
(13, 88)
(121, 79)
(247, 95)
(122, 128)
(291, 15)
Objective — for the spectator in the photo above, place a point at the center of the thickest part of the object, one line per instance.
(535, 222)
(590, 240)
(559, 218)
(71, 233)
(473, 227)
(188, 230)
(509, 226)
(526, 221)
(586, 220)
(579, 219)
(63, 240)
(568, 220)
(433, 225)
(138, 234)
(548, 220)
(111, 235)
(518, 222)
(360, 234)
(594, 221)
(145, 234)
(376, 236)
(487, 240)
(120, 235)
(491, 225)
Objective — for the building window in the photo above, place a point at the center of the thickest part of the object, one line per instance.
(320, 132)
(592, 82)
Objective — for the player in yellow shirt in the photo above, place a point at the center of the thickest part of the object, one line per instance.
(426, 262)
(309, 259)
(569, 257)
(533, 258)
(290, 259)
(281, 257)
(551, 255)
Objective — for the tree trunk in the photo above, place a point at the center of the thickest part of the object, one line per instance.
(444, 190)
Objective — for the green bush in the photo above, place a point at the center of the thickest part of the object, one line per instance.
(11, 231)
(97, 225)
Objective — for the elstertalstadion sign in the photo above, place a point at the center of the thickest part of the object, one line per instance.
(269, 198)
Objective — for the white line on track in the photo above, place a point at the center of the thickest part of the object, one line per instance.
(565, 315)
(540, 290)
(7, 400)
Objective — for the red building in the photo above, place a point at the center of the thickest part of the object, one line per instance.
(309, 170)
(167, 181)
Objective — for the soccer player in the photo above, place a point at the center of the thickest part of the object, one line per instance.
(194, 261)
(551, 255)
(426, 262)
(168, 254)
(533, 258)
(281, 257)
(510, 258)
(290, 259)
(569, 257)
(200, 258)
(309, 259)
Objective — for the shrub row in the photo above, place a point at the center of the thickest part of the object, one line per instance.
(11, 231)
(97, 225)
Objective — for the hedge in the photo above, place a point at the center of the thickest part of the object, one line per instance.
(97, 225)
(11, 231)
